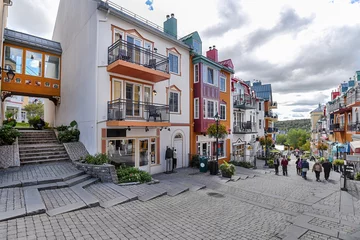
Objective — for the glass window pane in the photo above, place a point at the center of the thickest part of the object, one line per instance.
(33, 64)
(117, 90)
(13, 59)
(174, 63)
(122, 151)
(52, 67)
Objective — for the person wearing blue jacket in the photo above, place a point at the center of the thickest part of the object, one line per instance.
(305, 168)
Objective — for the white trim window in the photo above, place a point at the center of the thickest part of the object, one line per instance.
(222, 111)
(210, 76)
(205, 108)
(196, 73)
(196, 108)
(117, 89)
(174, 63)
(174, 102)
(212, 108)
(222, 84)
(118, 34)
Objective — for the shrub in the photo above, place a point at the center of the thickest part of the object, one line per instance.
(132, 174)
(8, 135)
(227, 169)
(338, 162)
(69, 133)
(357, 176)
(62, 128)
(10, 122)
(322, 160)
(242, 164)
(34, 120)
(271, 163)
(195, 161)
(97, 159)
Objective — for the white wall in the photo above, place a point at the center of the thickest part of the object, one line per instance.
(76, 30)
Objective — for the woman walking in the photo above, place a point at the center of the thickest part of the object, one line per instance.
(317, 168)
(298, 166)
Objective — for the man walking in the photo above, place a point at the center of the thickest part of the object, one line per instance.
(284, 164)
(276, 165)
(305, 168)
(327, 167)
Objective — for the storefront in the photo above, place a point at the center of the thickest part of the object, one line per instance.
(207, 147)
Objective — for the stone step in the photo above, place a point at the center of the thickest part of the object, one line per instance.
(77, 180)
(45, 160)
(41, 153)
(33, 201)
(32, 147)
(30, 158)
(37, 139)
(193, 186)
(123, 191)
(107, 196)
(38, 142)
(146, 192)
(171, 188)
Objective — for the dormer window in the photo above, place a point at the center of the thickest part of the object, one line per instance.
(196, 46)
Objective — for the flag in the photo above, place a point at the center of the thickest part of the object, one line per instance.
(149, 3)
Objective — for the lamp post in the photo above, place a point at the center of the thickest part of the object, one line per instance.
(216, 165)
(9, 73)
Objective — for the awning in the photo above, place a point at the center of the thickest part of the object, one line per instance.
(355, 145)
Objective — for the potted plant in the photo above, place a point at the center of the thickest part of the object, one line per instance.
(227, 169)
(216, 131)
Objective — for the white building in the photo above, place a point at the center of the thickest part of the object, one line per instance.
(117, 83)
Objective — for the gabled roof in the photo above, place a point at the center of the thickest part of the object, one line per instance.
(263, 91)
(195, 35)
(31, 41)
(320, 108)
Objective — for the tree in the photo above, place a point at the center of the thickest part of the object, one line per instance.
(281, 139)
(34, 109)
(306, 146)
(267, 142)
(297, 137)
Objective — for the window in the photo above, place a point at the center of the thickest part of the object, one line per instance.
(153, 151)
(222, 111)
(174, 63)
(118, 35)
(52, 67)
(259, 123)
(33, 64)
(204, 108)
(259, 106)
(210, 76)
(220, 148)
(196, 73)
(174, 102)
(196, 108)
(122, 151)
(223, 84)
(13, 58)
(212, 108)
(196, 46)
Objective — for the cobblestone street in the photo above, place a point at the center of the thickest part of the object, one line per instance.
(262, 207)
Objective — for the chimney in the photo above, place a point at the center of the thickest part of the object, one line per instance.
(212, 54)
(170, 26)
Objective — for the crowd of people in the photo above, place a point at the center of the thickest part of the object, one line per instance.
(303, 166)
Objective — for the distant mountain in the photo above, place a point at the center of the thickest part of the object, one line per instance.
(289, 124)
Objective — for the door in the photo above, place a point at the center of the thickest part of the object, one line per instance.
(134, 49)
(133, 98)
(178, 145)
(144, 154)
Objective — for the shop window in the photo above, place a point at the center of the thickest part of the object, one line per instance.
(220, 148)
(122, 151)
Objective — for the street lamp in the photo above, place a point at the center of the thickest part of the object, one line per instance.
(216, 165)
(9, 73)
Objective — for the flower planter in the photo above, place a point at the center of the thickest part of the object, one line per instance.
(226, 174)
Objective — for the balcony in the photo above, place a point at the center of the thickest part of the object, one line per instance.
(271, 116)
(273, 105)
(271, 130)
(353, 97)
(131, 60)
(337, 127)
(353, 127)
(122, 112)
(244, 127)
(244, 101)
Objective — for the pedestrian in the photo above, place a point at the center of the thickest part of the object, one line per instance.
(298, 166)
(276, 164)
(317, 168)
(327, 167)
(304, 168)
(284, 164)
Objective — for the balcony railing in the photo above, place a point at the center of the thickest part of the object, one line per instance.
(244, 127)
(337, 127)
(244, 101)
(122, 109)
(353, 127)
(271, 115)
(273, 105)
(126, 51)
(353, 96)
(271, 130)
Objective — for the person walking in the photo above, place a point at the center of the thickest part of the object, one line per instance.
(327, 167)
(276, 164)
(304, 168)
(284, 164)
(298, 166)
(317, 168)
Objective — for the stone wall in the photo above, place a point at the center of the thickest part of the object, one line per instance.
(106, 172)
(9, 156)
(75, 150)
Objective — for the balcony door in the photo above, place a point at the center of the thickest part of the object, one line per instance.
(133, 99)
(134, 49)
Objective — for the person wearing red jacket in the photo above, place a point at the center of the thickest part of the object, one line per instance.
(284, 164)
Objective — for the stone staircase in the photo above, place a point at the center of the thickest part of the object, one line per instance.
(40, 146)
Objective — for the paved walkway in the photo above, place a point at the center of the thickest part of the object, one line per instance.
(262, 206)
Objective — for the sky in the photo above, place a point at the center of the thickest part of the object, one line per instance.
(305, 49)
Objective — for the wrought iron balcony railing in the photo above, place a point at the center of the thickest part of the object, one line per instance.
(353, 127)
(244, 127)
(271, 115)
(337, 127)
(271, 130)
(244, 101)
(126, 51)
(122, 109)
(353, 96)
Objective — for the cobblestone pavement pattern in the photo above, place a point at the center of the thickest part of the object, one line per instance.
(263, 207)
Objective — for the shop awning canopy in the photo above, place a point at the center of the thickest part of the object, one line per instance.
(355, 145)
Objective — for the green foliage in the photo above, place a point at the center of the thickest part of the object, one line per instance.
(297, 137)
(97, 159)
(322, 160)
(266, 141)
(132, 174)
(338, 162)
(73, 124)
(270, 163)
(34, 120)
(10, 122)
(242, 164)
(306, 146)
(195, 161)
(227, 169)
(10, 114)
(34, 109)
(69, 133)
(62, 128)
(357, 176)
(8, 135)
(304, 124)
(22, 125)
(281, 139)
(221, 133)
